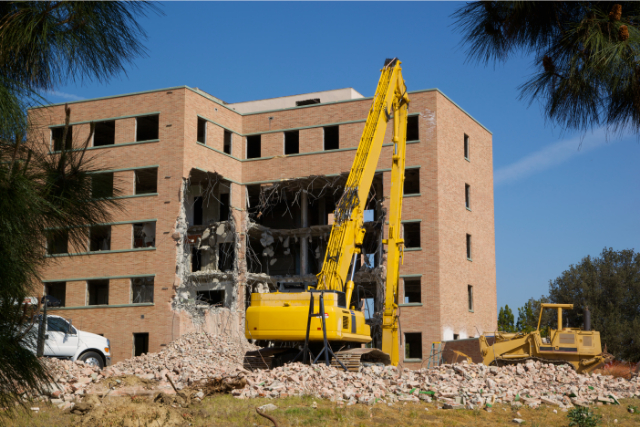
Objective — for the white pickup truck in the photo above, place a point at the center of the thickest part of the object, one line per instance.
(64, 341)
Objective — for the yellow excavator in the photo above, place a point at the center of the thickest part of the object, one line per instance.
(579, 347)
(320, 316)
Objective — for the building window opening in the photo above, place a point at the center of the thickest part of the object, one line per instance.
(466, 147)
(224, 206)
(56, 293)
(144, 235)
(470, 297)
(413, 345)
(58, 242)
(456, 336)
(142, 290)
(412, 181)
(140, 344)
(469, 247)
(413, 131)
(56, 137)
(411, 235)
(467, 196)
(100, 238)
(211, 297)
(292, 142)
(196, 259)
(146, 181)
(254, 149)
(104, 133)
(412, 291)
(147, 128)
(228, 140)
(226, 256)
(332, 137)
(102, 185)
(98, 292)
(198, 211)
(307, 102)
(202, 131)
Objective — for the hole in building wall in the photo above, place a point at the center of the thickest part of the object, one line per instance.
(57, 134)
(56, 293)
(412, 291)
(411, 235)
(307, 102)
(211, 297)
(412, 181)
(254, 146)
(100, 238)
(228, 140)
(226, 256)
(58, 242)
(146, 181)
(140, 343)
(104, 133)
(142, 290)
(98, 292)
(292, 142)
(202, 131)
(144, 234)
(413, 128)
(413, 345)
(147, 128)
(331, 137)
(207, 198)
(102, 185)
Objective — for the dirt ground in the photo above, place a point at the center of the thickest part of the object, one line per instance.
(224, 410)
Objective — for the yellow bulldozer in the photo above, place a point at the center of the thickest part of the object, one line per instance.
(579, 347)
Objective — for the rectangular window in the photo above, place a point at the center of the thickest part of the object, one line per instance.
(202, 130)
(140, 344)
(56, 293)
(411, 181)
(292, 142)
(211, 297)
(228, 140)
(413, 131)
(144, 235)
(413, 345)
(56, 138)
(224, 206)
(466, 147)
(104, 133)
(226, 256)
(412, 291)
(146, 181)
(469, 247)
(254, 146)
(198, 210)
(470, 296)
(102, 185)
(142, 290)
(147, 128)
(332, 137)
(98, 292)
(411, 235)
(467, 196)
(58, 242)
(100, 238)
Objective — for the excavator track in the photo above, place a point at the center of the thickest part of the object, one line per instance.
(353, 359)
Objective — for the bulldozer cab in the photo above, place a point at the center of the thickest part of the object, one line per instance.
(569, 340)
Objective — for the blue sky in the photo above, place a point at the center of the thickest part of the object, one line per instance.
(558, 196)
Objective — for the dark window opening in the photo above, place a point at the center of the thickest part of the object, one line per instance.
(146, 181)
(202, 131)
(58, 242)
(411, 235)
(467, 196)
(56, 136)
(228, 139)
(100, 238)
(197, 211)
(412, 181)
(292, 142)
(56, 294)
(332, 137)
(140, 344)
(470, 296)
(412, 291)
(468, 246)
(308, 102)
(413, 132)
(102, 185)
(144, 235)
(142, 290)
(254, 149)
(466, 147)
(211, 297)
(196, 259)
(98, 292)
(224, 206)
(104, 133)
(456, 336)
(413, 345)
(147, 128)
(226, 256)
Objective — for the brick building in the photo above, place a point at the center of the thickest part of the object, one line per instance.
(222, 200)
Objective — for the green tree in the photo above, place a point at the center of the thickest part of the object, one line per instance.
(529, 314)
(610, 286)
(586, 69)
(41, 45)
(505, 319)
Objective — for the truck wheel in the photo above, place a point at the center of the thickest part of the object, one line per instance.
(92, 358)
